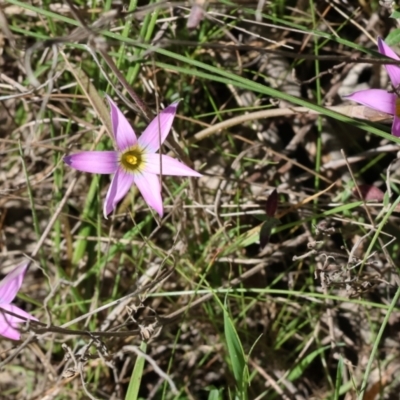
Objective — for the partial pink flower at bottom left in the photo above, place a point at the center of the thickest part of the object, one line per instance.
(9, 287)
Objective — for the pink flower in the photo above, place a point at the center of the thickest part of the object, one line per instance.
(9, 287)
(135, 161)
(382, 100)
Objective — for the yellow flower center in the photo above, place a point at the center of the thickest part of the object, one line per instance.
(132, 160)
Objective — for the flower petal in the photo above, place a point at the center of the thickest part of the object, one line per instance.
(18, 311)
(377, 99)
(396, 126)
(96, 162)
(11, 283)
(123, 132)
(120, 185)
(149, 186)
(8, 322)
(158, 129)
(169, 166)
(7, 327)
(392, 70)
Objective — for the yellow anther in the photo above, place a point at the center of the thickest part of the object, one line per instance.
(131, 159)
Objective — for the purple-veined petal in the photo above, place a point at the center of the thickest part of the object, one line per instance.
(158, 129)
(96, 162)
(378, 99)
(392, 70)
(7, 327)
(8, 322)
(11, 283)
(150, 188)
(124, 134)
(396, 126)
(18, 311)
(120, 185)
(170, 166)
(386, 50)
(9, 332)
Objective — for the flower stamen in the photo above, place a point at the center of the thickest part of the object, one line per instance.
(132, 159)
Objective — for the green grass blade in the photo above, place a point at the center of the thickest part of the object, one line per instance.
(377, 341)
(33, 208)
(338, 382)
(236, 354)
(136, 377)
(215, 394)
(299, 369)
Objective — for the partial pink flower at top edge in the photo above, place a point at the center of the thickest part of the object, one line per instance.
(135, 161)
(9, 287)
(195, 17)
(369, 192)
(383, 100)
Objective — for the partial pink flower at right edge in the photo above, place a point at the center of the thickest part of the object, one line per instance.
(9, 287)
(383, 100)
